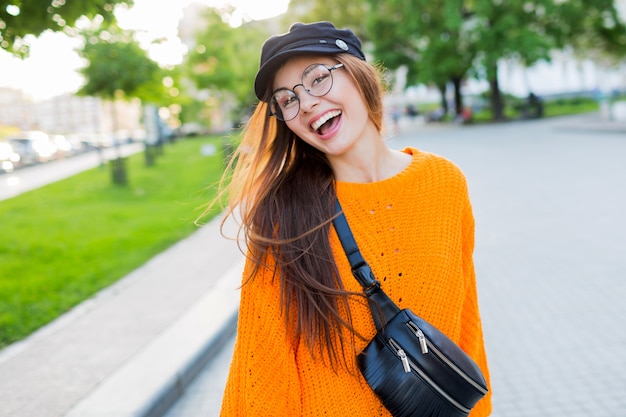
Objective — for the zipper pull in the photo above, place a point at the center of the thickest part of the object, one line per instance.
(405, 361)
(422, 338)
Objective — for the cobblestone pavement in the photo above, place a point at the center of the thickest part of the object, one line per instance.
(550, 207)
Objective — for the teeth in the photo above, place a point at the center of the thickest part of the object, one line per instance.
(319, 122)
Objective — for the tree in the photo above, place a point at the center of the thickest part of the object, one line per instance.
(342, 13)
(117, 68)
(445, 40)
(32, 17)
(529, 31)
(596, 32)
(434, 45)
(225, 59)
(116, 63)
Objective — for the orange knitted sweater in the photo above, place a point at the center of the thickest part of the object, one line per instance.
(416, 230)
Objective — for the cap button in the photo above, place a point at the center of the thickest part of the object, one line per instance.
(341, 44)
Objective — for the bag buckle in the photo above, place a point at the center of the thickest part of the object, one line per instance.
(367, 279)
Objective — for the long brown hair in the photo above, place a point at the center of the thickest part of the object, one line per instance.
(283, 190)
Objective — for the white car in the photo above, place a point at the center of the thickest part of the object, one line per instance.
(33, 147)
(8, 158)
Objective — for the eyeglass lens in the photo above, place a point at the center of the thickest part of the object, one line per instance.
(317, 81)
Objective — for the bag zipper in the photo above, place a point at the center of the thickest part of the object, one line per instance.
(422, 338)
(411, 366)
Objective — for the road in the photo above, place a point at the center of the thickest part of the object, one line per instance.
(32, 177)
(549, 199)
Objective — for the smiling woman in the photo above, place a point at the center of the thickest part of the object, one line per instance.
(313, 140)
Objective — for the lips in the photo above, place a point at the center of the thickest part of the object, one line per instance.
(316, 125)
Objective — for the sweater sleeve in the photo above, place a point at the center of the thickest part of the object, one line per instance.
(263, 378)
(472, 341)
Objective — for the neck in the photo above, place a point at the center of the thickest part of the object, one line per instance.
(369, 162)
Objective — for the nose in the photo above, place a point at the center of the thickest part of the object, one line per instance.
(307, 101)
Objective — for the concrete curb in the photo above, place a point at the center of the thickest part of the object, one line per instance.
(176, 386)
(598, 127)
(150, 382)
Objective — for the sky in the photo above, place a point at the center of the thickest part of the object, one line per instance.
(52, 67)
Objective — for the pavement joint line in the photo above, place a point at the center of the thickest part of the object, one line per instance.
(150, 382)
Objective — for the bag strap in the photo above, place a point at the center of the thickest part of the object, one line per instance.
(381, 305)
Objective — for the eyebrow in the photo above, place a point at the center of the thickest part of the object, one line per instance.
(310, 69)
(305, 72)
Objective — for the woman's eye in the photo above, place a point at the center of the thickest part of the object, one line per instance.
(289, 101)
(320, 79)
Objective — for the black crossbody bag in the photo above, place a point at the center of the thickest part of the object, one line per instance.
(414, 369)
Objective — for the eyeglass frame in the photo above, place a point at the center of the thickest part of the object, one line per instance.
(330, 72)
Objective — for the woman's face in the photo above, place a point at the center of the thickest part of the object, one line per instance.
(333, 123)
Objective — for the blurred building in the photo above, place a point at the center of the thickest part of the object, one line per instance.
(15, 109)
(566, 73)
(90, 118)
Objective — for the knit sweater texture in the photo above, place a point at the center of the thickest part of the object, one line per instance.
(416, 230)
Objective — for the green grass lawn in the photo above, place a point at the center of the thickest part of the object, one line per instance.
(554, 108)
(64, 242)
(572, 106)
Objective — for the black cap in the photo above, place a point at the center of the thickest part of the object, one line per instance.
(319, 37)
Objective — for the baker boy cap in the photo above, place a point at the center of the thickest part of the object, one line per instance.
(318, 38)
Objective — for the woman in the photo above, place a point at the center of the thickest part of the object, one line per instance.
(315, 136)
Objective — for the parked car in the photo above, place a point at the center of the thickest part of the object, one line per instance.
(65, 145)
(8, 158)
(33, 147)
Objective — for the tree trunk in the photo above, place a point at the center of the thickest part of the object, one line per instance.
(444, 102)
(497, 104)
(458, 97)
(118, 165)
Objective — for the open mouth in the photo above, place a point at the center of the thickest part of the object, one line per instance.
(326, 122)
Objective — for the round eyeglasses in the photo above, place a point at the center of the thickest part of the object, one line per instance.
(317, 80)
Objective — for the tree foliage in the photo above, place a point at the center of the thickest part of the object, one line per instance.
(19, 18)
(434, 45)
(514, 29)
(446, 40)
(528, 31)
(343, 13)
(225, 58)
(117, 64)
(597, 31)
